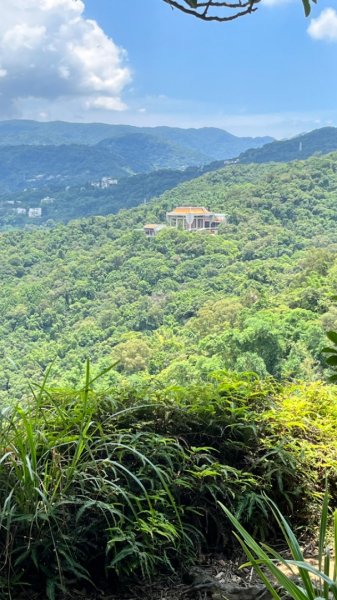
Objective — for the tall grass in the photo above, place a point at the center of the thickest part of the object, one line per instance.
(89, 489)
(101, 486)
(297, 577)
(76, 490)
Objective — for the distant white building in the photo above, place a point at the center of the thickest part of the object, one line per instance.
(35, 213)
(47, 200)
(20, 211)
(104, 183)
(107, 182)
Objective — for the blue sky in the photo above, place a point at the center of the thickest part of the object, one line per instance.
(140, 62)
(260, 74)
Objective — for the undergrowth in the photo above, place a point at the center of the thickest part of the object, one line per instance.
(125, 482)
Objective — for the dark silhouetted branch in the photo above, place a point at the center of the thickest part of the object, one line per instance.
(213, 10)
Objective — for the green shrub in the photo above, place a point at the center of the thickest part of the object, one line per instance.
(126, 482)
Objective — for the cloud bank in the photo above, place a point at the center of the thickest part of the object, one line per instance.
(50, 52)
(325, 26)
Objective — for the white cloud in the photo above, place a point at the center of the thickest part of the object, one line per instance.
(106, 103)
(325, 26)
(50, 52)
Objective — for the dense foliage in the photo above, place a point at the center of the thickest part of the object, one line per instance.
(97, 487)
(297, 577)
(121, 475)
(258, 296)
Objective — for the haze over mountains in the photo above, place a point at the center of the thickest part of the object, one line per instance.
(209, 141)
(34, 154)
(55, 155)
(72, 170)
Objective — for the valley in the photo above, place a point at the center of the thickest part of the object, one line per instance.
(98, 287)
(144, 379)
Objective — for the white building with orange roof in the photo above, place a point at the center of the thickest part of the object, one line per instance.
(150, 229)
(195, 218)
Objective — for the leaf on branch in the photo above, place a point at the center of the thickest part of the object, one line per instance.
(192, 3)
(332, 361)
(328, 350)
(307, 7)
(332, 335)
(333, 379)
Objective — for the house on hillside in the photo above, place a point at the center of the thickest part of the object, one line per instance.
(35, 213)
(151, 229)
(188, 218)
(195, 218)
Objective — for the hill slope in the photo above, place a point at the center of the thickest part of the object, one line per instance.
(255, 297)
(58, 166)
(128, 151)
(100, 197)
(319, 141)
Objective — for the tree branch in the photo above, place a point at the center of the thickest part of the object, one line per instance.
(203, 10)
(217, 10)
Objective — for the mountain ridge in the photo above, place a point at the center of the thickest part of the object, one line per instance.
(300, 147)
(118, 151)
(17, 132)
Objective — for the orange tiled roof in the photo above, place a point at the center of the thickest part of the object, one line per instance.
(185, 210)
(151, 225)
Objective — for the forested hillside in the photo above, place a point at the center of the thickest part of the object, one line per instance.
(66, 181)
(319, 141)
(32, 167)
(256, 297)
(168, 301)
(35, 155)
(204, 379)
(99, 197)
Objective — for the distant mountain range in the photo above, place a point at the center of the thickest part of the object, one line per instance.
(319, 141)
(115, 166)
(33, 154)
(208, 142)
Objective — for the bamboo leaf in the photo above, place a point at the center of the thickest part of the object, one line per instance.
(332, 335)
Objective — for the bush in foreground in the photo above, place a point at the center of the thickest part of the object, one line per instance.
(105, 485)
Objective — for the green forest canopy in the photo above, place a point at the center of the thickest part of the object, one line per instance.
(121, 475)
(256, 297)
